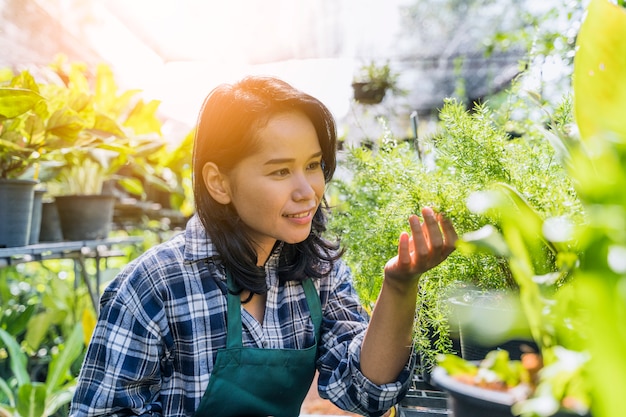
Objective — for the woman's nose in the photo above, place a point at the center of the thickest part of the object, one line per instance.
(303, 188)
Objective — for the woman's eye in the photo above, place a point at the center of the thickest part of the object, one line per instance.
(314, 165)
(282, 172)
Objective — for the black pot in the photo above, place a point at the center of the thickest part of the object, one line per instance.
(35, 219)
(16, 207)
(367, 93)
(85, 217)
(50, 228)
(467, 400)
(489, 320)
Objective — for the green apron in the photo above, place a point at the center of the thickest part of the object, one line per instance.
(260, 382)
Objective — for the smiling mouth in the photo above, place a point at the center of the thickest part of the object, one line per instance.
(298, 215)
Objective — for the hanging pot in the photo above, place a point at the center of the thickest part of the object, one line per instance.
(368, 93)
(85, 217)
(16, 207)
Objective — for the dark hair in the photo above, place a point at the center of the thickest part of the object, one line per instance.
(225, 134)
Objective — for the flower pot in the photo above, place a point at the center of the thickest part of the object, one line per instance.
(50, 228)
(489, 320)
(85, 217)
(35, 218)
(470, 401)
(467, 400)
(16, 207)
(367, 93)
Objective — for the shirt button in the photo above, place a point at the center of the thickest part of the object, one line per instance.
(265, 343)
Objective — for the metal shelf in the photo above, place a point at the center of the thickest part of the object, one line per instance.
(78, 251)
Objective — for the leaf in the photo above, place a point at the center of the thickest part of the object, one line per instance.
(58, 399)
(88, 321)
(4, 387)
(38, 327)
(17, 324)
(455, 365)
(599, 68)
(66, 124)
(17, 101)
(31, 400)
(105, 126)
(143, 119)
(487, 238)
(17, 357)
(132, 185)
(60, 365)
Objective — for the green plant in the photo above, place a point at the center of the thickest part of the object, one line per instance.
(377, 75)
(469, 152)
(112, 130)
(29, 134)
(579, 317)
(372, 82)
(23, 397)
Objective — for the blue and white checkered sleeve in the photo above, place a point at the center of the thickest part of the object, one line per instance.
(340, 379)
(120, 374)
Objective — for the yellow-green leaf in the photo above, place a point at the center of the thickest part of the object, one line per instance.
(599, 68)
(17, 101)
(65, 123)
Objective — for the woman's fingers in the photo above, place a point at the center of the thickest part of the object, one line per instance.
(430, 242)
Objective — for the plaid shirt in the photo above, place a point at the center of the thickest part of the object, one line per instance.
(163, 319)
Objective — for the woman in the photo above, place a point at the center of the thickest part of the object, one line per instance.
(233, 317)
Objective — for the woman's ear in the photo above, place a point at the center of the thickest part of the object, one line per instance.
(215, 183)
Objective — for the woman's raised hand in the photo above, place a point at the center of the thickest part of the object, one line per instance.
(429, 244)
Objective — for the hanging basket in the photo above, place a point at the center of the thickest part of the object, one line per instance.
(368, 93)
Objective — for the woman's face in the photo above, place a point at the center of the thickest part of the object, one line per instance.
(277, 190)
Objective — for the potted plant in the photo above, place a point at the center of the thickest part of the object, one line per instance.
(112, 132)
(27, 140)
(577, 324)
(373, 81)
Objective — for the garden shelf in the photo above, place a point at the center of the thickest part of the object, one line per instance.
(78, 251)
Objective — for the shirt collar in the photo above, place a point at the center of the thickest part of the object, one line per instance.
(198, 245)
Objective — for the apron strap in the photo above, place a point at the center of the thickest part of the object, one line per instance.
(233, 318)
(233, 335)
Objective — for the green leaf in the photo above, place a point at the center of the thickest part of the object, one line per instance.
(487, 238)
(17, 324)
(38, 327)
(60, 365)
(17, 357)
(599, 68)
(132, 185)
(31, 400)
(4, 387)
(143, 118)
(58, 399)
(105, 126)
(455, 365)
(66, 124)
(17, 101)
